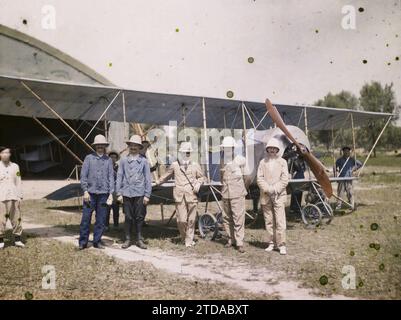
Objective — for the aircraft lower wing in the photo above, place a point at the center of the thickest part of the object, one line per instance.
(164, 193)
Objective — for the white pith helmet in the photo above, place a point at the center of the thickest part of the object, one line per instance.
(100, 140)
(135, 139)
(228, 142)
(185, 147)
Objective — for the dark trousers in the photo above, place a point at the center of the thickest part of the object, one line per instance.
(97, 204)
(116, 212)
(134, 211)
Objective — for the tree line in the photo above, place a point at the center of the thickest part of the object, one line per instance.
(372, 97)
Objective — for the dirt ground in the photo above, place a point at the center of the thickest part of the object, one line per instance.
(369, 240)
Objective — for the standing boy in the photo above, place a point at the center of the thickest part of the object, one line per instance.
(233, 193)
(134, 187)
(10, 197)
(188, 177)
(272, 179)
(97, 182)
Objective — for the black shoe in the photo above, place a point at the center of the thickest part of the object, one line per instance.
(141, 244)
(126, 244)
(99, 246)
(82, 247)
(240, 249)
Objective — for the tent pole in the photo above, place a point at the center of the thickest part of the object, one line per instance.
(58, 140)
(374, 145)
(101, 116)
(205, 139)
(57, 115)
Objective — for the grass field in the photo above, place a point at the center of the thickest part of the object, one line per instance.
(391, 160)
(92, 275)
(314, 255)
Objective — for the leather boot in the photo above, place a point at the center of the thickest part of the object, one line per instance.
(141, 244)
(126, 244)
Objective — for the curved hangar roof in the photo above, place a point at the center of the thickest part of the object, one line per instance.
(88, 102)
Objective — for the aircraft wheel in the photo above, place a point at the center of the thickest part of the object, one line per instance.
(250, 217)
(208, 226)
(327, 211)
(311, 215)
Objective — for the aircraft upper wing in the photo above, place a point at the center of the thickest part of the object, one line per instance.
(88, 102)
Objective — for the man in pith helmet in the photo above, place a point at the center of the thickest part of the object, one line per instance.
(272, 179)
(97, 182)
(188, 177)
(134, 187)
(233, 193)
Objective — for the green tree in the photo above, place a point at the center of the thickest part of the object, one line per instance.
(374, 97)
(341, 100)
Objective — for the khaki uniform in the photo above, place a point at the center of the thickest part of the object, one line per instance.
(185, 195)
(10, 196)
(233, 193)
(272, 179)
(347, 188)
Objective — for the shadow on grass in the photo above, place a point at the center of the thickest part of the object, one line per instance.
(258, 244)
(72, 208)
(150, 231)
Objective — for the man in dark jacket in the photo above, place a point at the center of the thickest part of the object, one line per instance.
(97, 182)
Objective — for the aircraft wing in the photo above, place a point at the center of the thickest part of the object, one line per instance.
(88, 102)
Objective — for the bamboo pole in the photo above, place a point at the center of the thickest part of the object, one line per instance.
(205, 140)
(124, 117)
(249, 116)
(139, 130)
(104, 112)
(244, 126)
(333, 153)
(306, 123)
(353, 136)
(374, 145)
(58, 140)
(57, 115)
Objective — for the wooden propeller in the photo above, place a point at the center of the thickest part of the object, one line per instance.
(314, 164)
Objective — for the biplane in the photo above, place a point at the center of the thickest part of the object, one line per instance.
(290, 124)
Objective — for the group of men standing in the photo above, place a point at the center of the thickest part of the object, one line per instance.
(106, 184)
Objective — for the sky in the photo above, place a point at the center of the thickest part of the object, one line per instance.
(292, 51)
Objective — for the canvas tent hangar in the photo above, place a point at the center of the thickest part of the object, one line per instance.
(91, 102)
